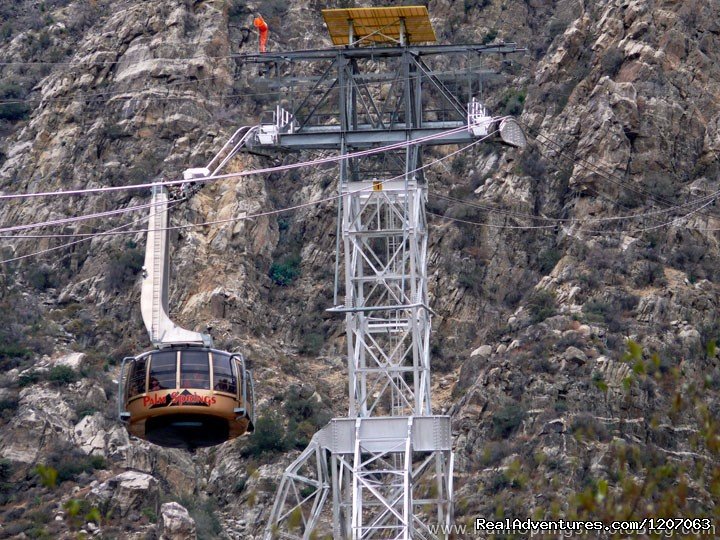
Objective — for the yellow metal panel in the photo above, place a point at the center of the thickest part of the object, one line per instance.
(379, 24)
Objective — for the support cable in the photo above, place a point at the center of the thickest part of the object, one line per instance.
(640, 215)
(709, 198)
(592, 167)
(116, 231)
(265, 170)
(74, 219)
(673, 222)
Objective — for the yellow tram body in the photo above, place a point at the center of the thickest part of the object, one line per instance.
(187, 397)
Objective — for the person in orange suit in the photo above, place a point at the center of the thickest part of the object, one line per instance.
(262, 27)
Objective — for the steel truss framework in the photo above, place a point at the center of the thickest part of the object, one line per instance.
(388, 466)
(387, 317)
(388, 477)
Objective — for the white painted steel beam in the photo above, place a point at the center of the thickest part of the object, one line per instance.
(162, 330)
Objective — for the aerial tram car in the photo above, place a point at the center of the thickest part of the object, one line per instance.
(187, 396)
(184, 393)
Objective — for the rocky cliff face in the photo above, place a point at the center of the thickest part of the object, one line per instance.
(574, 350)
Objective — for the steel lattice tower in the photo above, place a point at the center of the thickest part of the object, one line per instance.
(387, 467)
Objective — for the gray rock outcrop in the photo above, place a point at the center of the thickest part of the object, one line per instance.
(126, 493)
(176, 523)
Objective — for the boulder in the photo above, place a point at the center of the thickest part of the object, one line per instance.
(125, 493)
(72, 360)
(89, 434)
(483, 351)
(42, 417)
(573, 354)
(584, 330)
(176, 523)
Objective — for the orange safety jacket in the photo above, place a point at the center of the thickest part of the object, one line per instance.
(262, 27)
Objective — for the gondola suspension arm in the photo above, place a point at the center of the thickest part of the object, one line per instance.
(154, 295)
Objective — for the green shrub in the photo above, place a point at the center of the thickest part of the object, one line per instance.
(79, 511)
(6, 31)
(94, 515)
(475, 4)
(39, 517)
(541, 305)
(48, 475)
(494, 453)
(586, 427)
(556, 27)
(499, 482)
(269, 436)
(13, 530)
(8, 406)
(240, 485)
(459, 164)
(512, 102)
(649, 273)
(301, 404)
(13, 350)
(98, 462)
(122, 268)
(207, 524)
(548, 259)
(84, 409)
(60, 375)
(69, 462)
(311, 343)
(662, 186)
(13, 108)
(490, 36)
(711, 348)
(532, 163)
(471, 278)
(307, 491)
(5, 470)
(597, 310)
(42, 277)
(29, 377)
(285, 271)
(508, 419)
(541, 364)
(299, 435)
(38, 532)
(69, 468)
(114, 132)
(599, 382)
(305, 416)
(150, 514)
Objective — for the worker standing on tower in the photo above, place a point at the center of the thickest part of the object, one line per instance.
(262, 27)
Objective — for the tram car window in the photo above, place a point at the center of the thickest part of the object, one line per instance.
(194, 370)
(137, 377)
(224, 373)
(163, 368)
